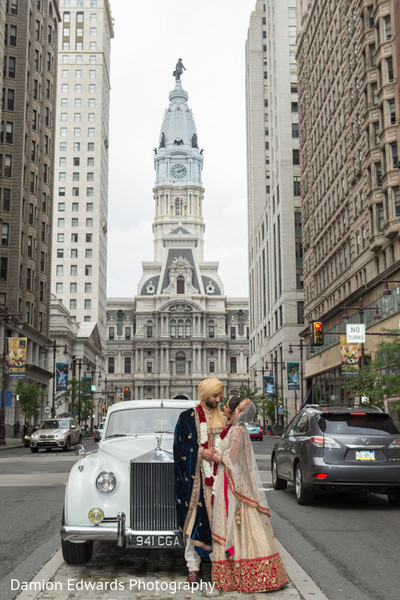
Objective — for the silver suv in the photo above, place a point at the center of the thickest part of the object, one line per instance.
(56, 433)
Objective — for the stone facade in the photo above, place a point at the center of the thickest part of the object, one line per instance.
(180, 328)
(274, 207)
(349, 116)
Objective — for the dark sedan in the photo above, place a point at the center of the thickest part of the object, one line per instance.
(325, 449)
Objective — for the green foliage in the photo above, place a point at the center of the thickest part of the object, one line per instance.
(31, 397)
(380, 377)
(265, 405)
(76, 389)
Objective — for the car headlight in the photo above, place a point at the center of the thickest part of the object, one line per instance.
(35, 435)
(59, 435)
(106, 482)
(96, 515)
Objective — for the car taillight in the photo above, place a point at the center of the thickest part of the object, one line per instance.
(324, 442)
(320, 475)
(395, 445)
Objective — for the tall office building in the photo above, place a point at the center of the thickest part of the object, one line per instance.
(79, 266)
(28, 46)
(274, 209)
(180, 328)
(348, 61)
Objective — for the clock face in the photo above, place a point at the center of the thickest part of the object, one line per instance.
(178, 171)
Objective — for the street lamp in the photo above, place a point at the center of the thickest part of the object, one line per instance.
(55, 347)
(361, 309)
(386, 290)
(301, 346)
(6, 316)
(93, 372)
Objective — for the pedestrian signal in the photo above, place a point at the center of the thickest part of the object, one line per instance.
(317, 334)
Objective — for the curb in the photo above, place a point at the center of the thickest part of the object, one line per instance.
(306, 587)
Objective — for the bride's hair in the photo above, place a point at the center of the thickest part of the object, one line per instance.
(234, 402)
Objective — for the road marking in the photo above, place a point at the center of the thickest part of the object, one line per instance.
(31, 479)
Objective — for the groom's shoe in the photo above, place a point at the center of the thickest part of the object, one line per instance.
(193, 577)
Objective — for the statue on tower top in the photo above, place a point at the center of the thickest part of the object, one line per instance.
(179, 70)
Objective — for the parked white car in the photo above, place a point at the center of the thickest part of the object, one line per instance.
(124, 492)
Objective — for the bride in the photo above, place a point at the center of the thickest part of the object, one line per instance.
(245, 557)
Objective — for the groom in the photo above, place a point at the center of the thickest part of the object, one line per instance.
(193, 455)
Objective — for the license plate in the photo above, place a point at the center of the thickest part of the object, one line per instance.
(154, 541)
(365, 455)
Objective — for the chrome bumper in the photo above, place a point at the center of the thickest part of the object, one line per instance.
(122, 535)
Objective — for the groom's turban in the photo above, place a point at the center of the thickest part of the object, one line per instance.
(208, 387)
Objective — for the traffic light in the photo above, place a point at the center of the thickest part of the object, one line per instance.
(126, 393)
(103, 409)
(317, 334)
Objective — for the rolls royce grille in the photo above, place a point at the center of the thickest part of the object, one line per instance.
(153, 496)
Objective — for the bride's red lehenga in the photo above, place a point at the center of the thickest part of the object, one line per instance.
(240, 524)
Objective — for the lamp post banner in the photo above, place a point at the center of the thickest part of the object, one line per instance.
(17, 357)
(61, 376)
(349, 357)
(86, 386)
(293, 375)
(269, 385)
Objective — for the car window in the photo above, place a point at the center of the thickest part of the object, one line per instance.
(292, 425)
(142, 420)
(303, 424)
(358, 423)
(54, 424)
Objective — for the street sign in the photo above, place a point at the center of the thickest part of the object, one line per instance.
(47, 410)
(355, 333)
(281, 410)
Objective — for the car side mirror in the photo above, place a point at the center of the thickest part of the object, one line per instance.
(284, 436)
(73, 426)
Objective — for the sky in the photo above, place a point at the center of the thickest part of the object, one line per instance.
(150, 36)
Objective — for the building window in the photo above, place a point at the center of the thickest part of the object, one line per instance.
(396, 201)
(111, 332)
(180, 285)
(127, 364)
(127, 333)
(295, 130)
(233, 333)
(180, 362)
(233, 364)
(111, 364)
(212, 367)
(149, 331)
(211, 330)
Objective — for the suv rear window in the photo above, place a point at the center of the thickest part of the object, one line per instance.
(355, 424)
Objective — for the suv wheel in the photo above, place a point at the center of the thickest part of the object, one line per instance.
(277, 482)
(394, 498)
(302, 496)
(67, 446)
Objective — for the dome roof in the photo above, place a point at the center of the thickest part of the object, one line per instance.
(178, 128)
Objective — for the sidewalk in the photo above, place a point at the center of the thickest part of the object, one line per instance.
(12, 443)
(115, 574)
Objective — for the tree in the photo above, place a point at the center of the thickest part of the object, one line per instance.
(31, 397)
(70, 397)
(379, 377)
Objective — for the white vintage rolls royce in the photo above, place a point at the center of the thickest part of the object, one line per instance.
(124, 492)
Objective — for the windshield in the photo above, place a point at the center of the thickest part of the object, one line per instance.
(357, 424)
(142, 420)
(55, 424)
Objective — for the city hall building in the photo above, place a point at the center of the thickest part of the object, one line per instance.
(180, 328)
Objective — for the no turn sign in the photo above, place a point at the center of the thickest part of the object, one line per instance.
(355, 333)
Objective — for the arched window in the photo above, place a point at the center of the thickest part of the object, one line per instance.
(180, 285)
(180, 362)
(188, 328)
(180, 328)
(173, 328)
(178, 207)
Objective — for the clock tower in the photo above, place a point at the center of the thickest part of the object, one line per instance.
(178, 163)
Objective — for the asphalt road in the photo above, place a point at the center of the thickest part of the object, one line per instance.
(347, 543)
(31, 499)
